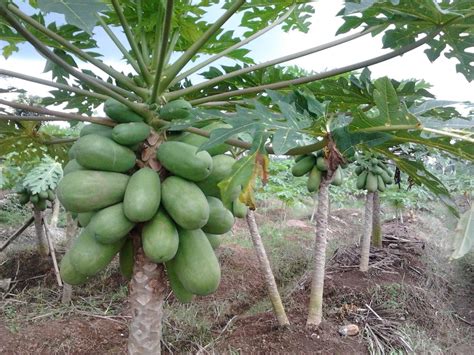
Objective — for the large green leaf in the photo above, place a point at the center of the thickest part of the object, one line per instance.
(409, 19)
(77, 13)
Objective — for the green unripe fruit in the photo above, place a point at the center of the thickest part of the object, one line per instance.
(34, 198)
(143, 195)
(160, 238)
(84, 218)
(100, 153)
(215, 240)
(23, 198)
(68, 274)
(322, 164)
(43, 195)
(380, 184)
(130, 133)
(86, 190)
(97, 129)
(220, 219)
(303, 166)
(314, 179)
(181, 294)
(337, 180)
(51, 195)
(110, 225)
(175, 110)
(71, 166)
(120, 113)
(239, 209)
(126, 259)
(185, 202)
(195, 263)
(88, 256)
(184, 160)
(221, 169)
(361, 180)
(371, 184)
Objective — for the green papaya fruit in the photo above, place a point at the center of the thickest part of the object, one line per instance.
(214, 239)
(337, 180)
(386, 178)
(220, 219)
(184, 160)
(239, 209)
(84, 218)
(120, 113)
(221, 169)
(43, 195)
(68, 274)
(87, 190)
(34, 198)
(100, 153)
(160, 238)
(361, 180)
(109, 225)
(143, 195)
(299, 157)
(74, 215)
(72, 151)
(303, 166)
(51, 195)
(197, 140)
(371, 183)
(359, 169)
(97, 129)
(126, 259)
(41, 204)
(23, 198)
(314, 179)
(88, 256)
(130, 133)
(175, 110)
(322, 164)
(71, 166)
(195, 263)
(377, 170)
(380, 184)
(185, 202)
(181, 294)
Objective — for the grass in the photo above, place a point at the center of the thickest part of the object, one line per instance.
(13, 214)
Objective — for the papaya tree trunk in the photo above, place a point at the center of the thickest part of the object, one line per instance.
(43, 247)
(315, 309)
(71, 229)
(265, 267)
(376, 226)
(315, 208)
(365, 241)
(148, 289)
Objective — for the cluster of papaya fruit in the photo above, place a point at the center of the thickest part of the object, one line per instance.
(316, 166)
(180, 218)
(372, 172)
(39, 200)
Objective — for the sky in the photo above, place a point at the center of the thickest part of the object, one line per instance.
(447, 84)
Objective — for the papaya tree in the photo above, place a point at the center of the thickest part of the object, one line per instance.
(140, 173)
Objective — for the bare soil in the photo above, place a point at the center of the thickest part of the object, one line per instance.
(236, 329)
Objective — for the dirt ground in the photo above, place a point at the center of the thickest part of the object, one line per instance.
(394, 292)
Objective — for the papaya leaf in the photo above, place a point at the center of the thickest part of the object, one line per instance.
(245, 173)
(464, 235)
(77, 13)
(410, 19)
(347, 142)
(44, 176)
(421, 176)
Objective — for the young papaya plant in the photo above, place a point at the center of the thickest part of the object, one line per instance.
(167, 42)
